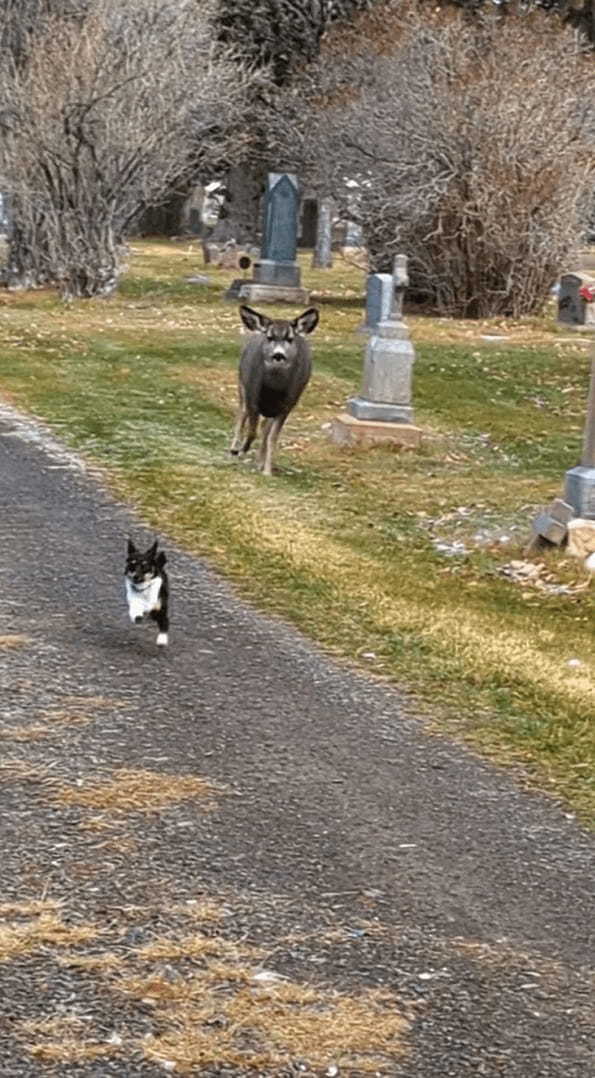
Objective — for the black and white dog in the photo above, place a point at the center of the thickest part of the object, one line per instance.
(147, 589)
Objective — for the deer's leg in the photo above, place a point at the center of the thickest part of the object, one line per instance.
(241, 417)
(265, 431)
(269, 444)
(252, 423)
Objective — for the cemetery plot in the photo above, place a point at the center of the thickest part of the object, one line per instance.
(353, 547)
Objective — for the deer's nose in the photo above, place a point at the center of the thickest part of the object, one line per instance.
(278, 357)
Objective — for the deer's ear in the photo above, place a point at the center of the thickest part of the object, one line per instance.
(254, 320)
(307, 321)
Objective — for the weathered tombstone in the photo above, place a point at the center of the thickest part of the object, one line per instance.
(576, 301)
(229, 256)
(551, 526)
(380, 298)
(309, 223)
(383, 411)
(579, 490)
(277, 274)
(353, 235)
(322, 257)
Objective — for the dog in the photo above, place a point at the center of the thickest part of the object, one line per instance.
(147, 588)
(275, 368)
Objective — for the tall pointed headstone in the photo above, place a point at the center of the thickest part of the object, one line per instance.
(277, 275)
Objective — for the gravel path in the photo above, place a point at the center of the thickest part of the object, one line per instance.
(354, 847)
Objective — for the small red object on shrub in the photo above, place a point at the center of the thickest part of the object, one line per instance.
(587, 292)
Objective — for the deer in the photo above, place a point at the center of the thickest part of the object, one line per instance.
(275, 368)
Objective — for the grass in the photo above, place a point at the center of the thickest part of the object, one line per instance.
(216, 1011)
(129, 790)
(60, 1041)
(343, 543)
(37, 932)
(13, 640)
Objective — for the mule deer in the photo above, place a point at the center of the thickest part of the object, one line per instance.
(275, 368)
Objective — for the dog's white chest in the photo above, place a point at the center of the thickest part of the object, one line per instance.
(142, 602)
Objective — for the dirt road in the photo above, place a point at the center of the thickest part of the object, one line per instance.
(212, 857)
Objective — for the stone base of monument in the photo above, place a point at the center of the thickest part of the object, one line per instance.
(275, 282)
(235, 289)
(346, 430)
(579, 491)
(254, 292)
(379, 411)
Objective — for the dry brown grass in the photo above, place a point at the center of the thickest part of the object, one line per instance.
(93, 702)
(14, 640)
(21, 771)
(275, 1026)
(34, 732)
(93, 963)
(64, 718)
(67, 1047)
(30, 908)
(18, 938)
(200, 909)
(128, 790)
(195, 946)
(230, 1012)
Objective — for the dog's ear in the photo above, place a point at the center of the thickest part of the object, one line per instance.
(254, 320)
(160, 560)
(151, 552)
(307, 321)
(131, 549)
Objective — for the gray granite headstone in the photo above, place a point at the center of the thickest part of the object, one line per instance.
(280, 228)
(386, 388)
(579, 488)
(379, 299)
(569, 302)
(353, 235)
(323, 257)
(574, 309)
(277, 273)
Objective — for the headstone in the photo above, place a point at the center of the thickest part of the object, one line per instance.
(277, 274)
(379, 299)
(353, 235)
(322, 257)
(576, 301)
(383, 410)
(579, 490)
(229, 256)
(551, 525)
(309, 223)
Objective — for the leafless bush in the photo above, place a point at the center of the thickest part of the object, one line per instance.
(472, 144)
(103, 116)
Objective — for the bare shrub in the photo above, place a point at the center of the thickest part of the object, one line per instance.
(471, 142)
(105, 113)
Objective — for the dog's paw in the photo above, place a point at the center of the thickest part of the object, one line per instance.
(162, 640)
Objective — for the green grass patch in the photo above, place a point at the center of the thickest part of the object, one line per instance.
(344, 543)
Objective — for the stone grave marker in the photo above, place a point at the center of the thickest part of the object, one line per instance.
(576, 301)
(579, 490)
(276, 277)
(323, 257)
(379, 300)
(383, 411)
